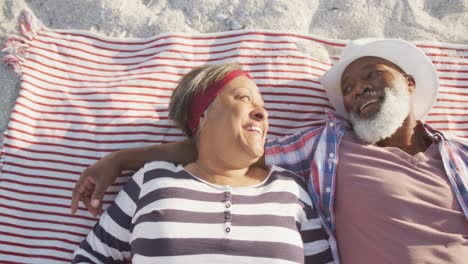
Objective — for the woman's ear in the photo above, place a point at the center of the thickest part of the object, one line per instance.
(203, 116)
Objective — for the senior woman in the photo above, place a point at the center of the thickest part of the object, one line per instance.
(220, 208)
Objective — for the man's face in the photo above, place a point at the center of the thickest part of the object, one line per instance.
(377, 96)
(364, 82)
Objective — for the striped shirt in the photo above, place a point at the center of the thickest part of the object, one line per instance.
(167, 215)
(313, 154)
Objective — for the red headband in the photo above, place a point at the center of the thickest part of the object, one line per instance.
(202, 100)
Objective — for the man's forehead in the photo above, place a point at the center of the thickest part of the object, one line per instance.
(364, 63)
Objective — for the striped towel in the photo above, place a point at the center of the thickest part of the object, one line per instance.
(83, 95)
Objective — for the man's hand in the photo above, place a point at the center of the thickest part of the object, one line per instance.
(94, 182)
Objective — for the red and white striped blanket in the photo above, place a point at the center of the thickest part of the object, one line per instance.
(83, 95)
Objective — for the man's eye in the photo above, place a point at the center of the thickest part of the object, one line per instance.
(373, 74)
(347, 89)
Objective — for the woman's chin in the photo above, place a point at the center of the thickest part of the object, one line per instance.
(256, 152)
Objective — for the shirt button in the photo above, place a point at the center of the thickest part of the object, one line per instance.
(227, 215)
(228, 205)
(228, 229)
(327, 189)
(331, 154)
(332, 124)
(328, 219)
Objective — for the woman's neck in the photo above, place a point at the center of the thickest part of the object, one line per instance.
(225, 175)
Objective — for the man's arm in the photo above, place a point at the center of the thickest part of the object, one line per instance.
(181, 152)
(293, 152)
(109, 241)
(94, 180)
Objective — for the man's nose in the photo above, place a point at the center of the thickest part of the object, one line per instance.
(362, 89)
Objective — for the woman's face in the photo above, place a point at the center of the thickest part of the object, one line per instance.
(236, 123)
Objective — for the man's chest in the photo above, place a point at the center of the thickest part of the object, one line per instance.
(376, 176)
(385, 198)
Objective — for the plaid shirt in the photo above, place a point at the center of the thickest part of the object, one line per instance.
(313, 154)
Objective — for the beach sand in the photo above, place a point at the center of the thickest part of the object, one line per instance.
(433, 20)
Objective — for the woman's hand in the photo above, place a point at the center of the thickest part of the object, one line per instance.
(93, 183)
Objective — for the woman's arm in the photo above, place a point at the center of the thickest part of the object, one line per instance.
(94, 180)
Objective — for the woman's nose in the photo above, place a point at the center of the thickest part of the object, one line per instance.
(259, 113)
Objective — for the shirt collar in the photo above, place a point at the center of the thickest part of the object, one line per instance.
(433, 133)
(337, 119)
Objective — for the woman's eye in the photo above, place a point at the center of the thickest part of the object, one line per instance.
(245, 98)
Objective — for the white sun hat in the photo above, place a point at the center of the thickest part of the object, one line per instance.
(403, 54)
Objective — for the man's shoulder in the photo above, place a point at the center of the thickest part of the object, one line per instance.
(446, 136)
(455, 138)
(305, 134)
(460, 143)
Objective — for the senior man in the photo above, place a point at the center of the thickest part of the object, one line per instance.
(389, 188)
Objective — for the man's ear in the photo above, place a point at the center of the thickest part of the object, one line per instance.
(411, 83)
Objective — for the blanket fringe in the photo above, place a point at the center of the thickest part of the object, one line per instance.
(16, 47)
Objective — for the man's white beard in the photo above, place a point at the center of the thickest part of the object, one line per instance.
(393, 112)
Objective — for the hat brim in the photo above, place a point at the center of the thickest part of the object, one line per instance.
(403, 54)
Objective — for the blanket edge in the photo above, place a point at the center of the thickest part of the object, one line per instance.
(15, 47)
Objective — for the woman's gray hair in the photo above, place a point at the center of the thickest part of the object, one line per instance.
(197, 80)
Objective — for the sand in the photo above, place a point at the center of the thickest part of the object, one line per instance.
(433, 20)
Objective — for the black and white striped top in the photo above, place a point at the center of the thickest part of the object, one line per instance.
(167, 215)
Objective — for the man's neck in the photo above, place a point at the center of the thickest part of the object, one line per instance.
(410, 137)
